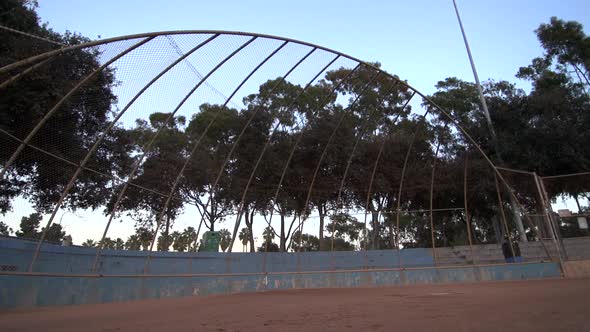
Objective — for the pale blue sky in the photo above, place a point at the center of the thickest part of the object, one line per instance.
(417, 40)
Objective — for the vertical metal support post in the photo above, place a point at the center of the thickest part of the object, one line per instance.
(484, 106)
(467, 221)
(548, 212)
(504, 221)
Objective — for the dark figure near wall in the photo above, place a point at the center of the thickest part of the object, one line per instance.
(508, 254)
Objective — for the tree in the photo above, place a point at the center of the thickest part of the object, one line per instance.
(343, 227)
(269, 247)
(55, 234)
(107, 243)
(268, 234)
(158, 172)
(567, 44)
(89, 243)
(178, 242)
(339, 244)
(190, 236)
(29, 226)
(165, 241)
(213, 128)
(305, 242)
(4, 229)
(244, 237)
(80, 120)
(133, 242)
(225, 239)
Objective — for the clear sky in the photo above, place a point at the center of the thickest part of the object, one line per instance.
(418, 40)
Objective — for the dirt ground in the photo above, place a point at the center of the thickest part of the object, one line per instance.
(546, 305)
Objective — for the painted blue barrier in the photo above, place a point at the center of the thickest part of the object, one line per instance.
(62, 278)
(17, 253)
(39, 290)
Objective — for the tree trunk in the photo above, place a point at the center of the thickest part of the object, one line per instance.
(517, 219)
(249, 223)
(498, 230)
(392, 244)
(282, 239)
(577, 203)
(375, 224)
(166, 231)
(322, 213)
(237, 228)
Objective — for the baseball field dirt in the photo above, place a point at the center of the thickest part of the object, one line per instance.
(543, 305)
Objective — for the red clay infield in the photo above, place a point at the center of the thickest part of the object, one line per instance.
(545, 305)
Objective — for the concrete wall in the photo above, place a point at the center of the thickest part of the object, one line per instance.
(63, 274)
(43, 290)
(577, 269)
(16, 254)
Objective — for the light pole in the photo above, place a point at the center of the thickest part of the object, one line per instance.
(486, 113)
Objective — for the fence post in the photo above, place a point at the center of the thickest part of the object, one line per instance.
(548, 213)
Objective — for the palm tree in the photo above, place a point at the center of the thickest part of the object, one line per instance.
(244, 236)
(268, 235)
(89, 243)
(225, 239)
(119, 244)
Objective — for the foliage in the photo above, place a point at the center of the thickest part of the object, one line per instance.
(89, 243)
(80, 120)
(5, 230)
(29, 226)
(225, 239)
(244, 236)
(269, 247)
(305, 242)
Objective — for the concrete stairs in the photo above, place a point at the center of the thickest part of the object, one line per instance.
(576, 249)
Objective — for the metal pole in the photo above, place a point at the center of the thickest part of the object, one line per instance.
(504, 221)
(431, 206)
(556, 236)
(467, 221)
(486, 113)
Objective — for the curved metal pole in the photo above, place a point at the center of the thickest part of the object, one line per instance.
(144, 35)
(216, 182)
(369, 191)
(358, 139)
(237, 33)
(431, 200)
(401, 183)
(54, 109)
(92, 170)
(116, 119)
(42, 122)
(267, 144)
(24, 72)
(170, 116)
(187, 161)
(300, 136)
(323, 155)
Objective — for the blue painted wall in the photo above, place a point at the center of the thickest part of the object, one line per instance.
(28, 291)
(57, 259)
(257, 272)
